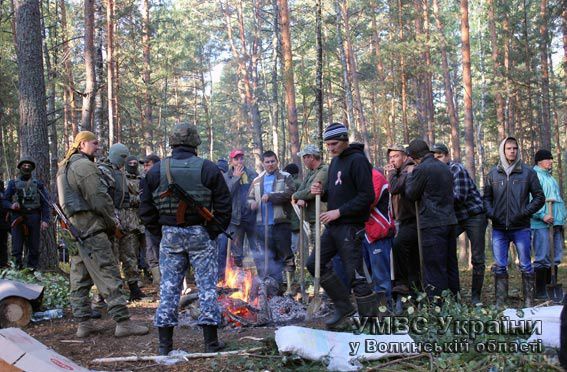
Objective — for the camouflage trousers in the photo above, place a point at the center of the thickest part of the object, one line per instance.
(180, 246)
(126, 252)
(98, 268)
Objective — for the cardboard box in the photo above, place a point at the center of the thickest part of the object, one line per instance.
(22, 351)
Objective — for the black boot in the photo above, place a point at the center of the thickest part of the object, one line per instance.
(367, 305)
(540, 282)
(501, 289)
(165, 340)
(135, 293)
(339, 294)
(476, 288)
(212, 343)
(528, 280)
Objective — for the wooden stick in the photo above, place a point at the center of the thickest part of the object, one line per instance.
(404, 359)
(158, 358)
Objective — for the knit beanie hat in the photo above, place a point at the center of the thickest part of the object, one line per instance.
(543, 155)
(417, 149)
(335, 131)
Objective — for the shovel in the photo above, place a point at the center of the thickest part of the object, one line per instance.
(315, 303)
(227, 265)
(554, 290)
(419, 247)
(302, 258)
(266, 227)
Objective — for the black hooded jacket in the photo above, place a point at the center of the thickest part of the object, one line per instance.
(349, 186)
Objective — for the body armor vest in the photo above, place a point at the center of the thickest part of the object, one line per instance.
(119, 193)
(28, 194)
(71, 200)
(187, 174)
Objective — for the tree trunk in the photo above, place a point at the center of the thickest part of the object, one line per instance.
(69, 103)
(113, 132)
(496, 88)
(428, 84)
(449, 97)
(528, 62)
(33, 116)
(380, 79)
(346, 80)
(511, 112)
(276, 47)
(147, 111)
(403, 76)
(467, 85)
(100, 126)
(90, 86)
(319, 76)
(545, 109)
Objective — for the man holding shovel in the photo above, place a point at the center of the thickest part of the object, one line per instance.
(550, 217)
(349, 194)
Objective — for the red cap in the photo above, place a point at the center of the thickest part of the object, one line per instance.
(235, 153)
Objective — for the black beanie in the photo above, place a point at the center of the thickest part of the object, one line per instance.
(417, 149)
(335, 131)
(292, 169)
(543, 155)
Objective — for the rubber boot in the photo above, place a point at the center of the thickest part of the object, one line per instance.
(501, 289)
(86, 328)
(476, 288)
(339, 294)
(129, 328)
(165, 340)
(212, 343)
(548, 275)
(528, 280)
(135, 293)
(367, 305)
(155, 275)
(540, 282)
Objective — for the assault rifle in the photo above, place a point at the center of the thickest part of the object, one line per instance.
(186, 200)
(65, 223)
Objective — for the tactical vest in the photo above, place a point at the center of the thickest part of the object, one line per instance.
(28, 194)
(119, 193)
(187, 174)
(72, 202)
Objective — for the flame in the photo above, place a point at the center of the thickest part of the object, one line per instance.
(239, 279)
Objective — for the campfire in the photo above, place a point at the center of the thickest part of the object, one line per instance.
(246, 300)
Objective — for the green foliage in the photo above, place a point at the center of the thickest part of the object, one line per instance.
(56, 293)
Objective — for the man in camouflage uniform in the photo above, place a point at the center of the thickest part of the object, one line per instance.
(133, 178)
(126, 242)
(186, 238)
(84, 200)
(30, 213)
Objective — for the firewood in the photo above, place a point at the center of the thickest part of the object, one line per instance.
(15, 312)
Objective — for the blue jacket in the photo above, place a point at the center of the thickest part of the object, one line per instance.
(551, 191)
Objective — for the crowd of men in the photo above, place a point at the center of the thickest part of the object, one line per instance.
(388, 232)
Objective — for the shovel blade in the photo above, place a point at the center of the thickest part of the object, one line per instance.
(313, 307)
(555, 293)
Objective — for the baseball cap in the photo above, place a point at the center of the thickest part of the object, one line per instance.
(417, 149)
(396, 147)
(309, 150)
(234, 153)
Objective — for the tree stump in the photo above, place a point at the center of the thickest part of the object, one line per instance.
(15, 312)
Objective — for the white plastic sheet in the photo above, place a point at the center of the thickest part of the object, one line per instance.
(550, 322)
(339, 349)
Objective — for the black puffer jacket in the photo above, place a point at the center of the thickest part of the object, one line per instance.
(432, 183)
(507, 199)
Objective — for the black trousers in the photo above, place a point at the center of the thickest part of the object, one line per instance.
(3, 247)
(441, 270)
(32, 240)
(406, 256)
(342, 240)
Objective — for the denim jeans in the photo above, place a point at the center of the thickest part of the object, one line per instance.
(377, 257)
(542, 250)
(501, 240)
(475, 228)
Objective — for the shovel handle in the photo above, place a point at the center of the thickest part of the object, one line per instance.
(266, 219)
(317, 243)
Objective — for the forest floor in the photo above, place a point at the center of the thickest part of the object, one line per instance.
(59, 334)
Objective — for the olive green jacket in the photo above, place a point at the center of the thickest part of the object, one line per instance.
(304, 190)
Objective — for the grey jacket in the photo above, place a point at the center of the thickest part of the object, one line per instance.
(239, 192)
(280, 196)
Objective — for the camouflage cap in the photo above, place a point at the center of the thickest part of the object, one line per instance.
(184, 134)
(397, 147)
(309, 150)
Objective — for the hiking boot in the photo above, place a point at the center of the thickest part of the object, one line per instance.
(165, 335)
(476, 288)
(528, 280)
(155, 275)
(339, 294)
(135, 293)
(86, 328)
(129, 328)
(501, 289)
(540, 282)
(212, 343)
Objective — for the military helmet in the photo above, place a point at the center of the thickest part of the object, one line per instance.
(28, 161)
(184, 134)
(117, 154)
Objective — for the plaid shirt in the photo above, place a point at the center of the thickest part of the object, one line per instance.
(465, 194)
